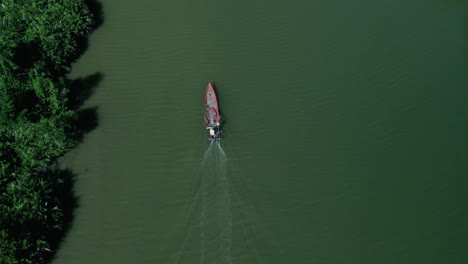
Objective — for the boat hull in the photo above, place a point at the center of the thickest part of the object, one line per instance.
(212, 116)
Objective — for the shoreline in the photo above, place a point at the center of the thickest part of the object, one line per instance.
(40, 122)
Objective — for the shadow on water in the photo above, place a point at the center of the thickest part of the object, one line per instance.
(80, 90)
(87, 120)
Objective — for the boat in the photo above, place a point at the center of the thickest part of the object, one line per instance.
(212, 116)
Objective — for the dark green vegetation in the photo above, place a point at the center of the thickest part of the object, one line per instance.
(39, 40)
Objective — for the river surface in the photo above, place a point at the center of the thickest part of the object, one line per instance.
(345, 137)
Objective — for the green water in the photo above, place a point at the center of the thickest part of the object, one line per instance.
(345, 134)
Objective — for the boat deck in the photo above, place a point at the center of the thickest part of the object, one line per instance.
(212, 112)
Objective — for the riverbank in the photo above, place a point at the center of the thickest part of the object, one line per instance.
(38, 122)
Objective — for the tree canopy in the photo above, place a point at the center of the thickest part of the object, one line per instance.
(38, 41)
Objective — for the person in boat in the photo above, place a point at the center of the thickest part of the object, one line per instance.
(214, 131)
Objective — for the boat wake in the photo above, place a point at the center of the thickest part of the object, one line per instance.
(215, 215)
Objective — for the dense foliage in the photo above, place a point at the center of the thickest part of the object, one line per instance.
(38, 40)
